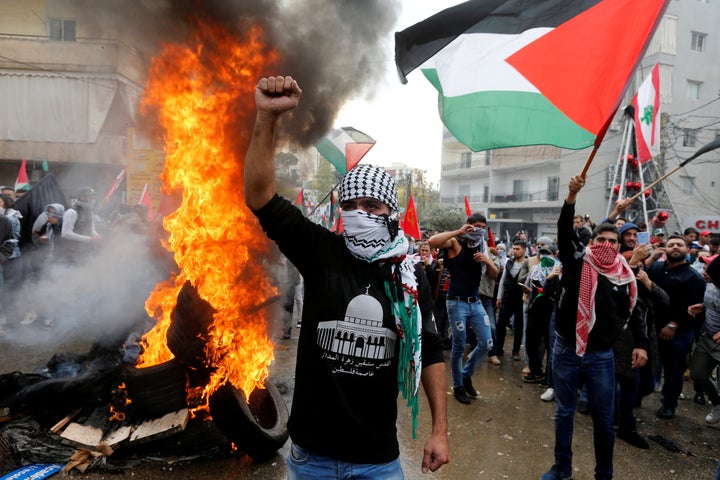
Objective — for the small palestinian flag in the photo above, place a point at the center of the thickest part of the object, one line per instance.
(513, 73)
(345, 147)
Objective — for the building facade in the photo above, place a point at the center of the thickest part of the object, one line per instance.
(70, 82)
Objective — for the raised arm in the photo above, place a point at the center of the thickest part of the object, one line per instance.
(273, 97)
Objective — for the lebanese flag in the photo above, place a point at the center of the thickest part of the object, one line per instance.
(345, 147)
(22, 180)
(468, 210)
(512, 73)
(410, 224)
(647, 116)
(147, 201)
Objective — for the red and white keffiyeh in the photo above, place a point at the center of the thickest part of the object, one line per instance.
(601, 259)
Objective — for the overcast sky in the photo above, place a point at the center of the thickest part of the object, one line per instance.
(403, 119)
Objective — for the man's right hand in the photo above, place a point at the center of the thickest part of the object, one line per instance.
(276, 95)
(576, 184)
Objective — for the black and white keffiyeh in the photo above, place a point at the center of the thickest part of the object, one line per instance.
(369, 181)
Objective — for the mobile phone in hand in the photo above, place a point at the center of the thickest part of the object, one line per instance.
(643, 238)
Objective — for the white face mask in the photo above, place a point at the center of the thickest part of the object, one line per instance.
(368, 238)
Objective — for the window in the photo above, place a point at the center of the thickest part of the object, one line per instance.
(698, 41)
(686, 184)
(486, 194)
(553, 188)
(466, 160)
(693, 89)
(520, 190)
(665, 38)
(690, 137)
(62, 30)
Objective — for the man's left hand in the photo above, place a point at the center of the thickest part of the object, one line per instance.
(436, 452)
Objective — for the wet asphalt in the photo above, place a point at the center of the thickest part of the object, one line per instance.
(505, 434)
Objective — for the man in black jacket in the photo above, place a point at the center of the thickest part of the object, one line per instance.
(598, 293)
(367, 316)
(675, 326)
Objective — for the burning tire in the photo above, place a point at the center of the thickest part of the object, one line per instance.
(257, 427)
(157, 390)
(187, 334)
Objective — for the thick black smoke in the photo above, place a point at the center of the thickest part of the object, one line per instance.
(334, 48)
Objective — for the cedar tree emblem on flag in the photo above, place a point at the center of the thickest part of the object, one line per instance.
(345, 147)
(512, 73)
(646, 103)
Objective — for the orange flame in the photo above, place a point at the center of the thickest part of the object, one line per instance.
(203, 94)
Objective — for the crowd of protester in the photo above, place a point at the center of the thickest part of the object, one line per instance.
(58, 239)
(671, 336)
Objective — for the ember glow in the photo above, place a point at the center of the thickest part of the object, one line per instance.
(203, 93)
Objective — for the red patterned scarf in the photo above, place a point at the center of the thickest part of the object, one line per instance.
(604, 259)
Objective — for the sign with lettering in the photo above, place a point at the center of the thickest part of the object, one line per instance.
(706, 222)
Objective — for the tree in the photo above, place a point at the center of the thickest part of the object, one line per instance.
(444, 218)
(325, 178)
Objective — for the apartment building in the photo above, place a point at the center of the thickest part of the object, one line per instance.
(71, 75)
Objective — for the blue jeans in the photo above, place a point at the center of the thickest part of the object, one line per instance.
(489, 306)
(460, 314)
(597, 370)
(549, 379)
(301, 465)
(673, 356)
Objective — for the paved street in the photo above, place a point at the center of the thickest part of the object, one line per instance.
(507, 434)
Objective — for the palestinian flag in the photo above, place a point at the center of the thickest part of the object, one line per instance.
(22, 179)
(345, 147)
(646, 104)
(528, 72)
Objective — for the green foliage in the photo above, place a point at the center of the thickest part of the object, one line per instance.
(325, 178)
(444, 218)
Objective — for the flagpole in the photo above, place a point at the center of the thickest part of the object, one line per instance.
(641, 192)
(596, 146)
(323, 199)
(707, 148)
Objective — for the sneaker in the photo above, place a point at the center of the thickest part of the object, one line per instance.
(533, 377)
(667, 413)
(461, 396)
(633, 438)
(583, 407)
(548, 395)
(469, 389)
(555, 474)
(714, 415)
(494, 360)
(699, 398)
